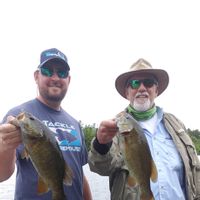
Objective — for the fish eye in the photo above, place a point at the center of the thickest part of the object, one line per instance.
(31, 118)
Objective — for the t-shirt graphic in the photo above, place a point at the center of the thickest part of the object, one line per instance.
(67, 139)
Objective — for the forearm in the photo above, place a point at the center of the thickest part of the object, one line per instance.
(104, 162)
(87, 195)
(7, 164)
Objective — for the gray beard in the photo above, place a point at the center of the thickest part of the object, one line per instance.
(141, 107)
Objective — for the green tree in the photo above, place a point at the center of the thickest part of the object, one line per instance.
(89, 132)
(195, 136)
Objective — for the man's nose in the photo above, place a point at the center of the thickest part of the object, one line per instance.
(142, 87)
(55, 75)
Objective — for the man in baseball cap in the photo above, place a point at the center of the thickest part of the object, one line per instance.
(52, 79)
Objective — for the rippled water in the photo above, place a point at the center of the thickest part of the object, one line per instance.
(99, 186)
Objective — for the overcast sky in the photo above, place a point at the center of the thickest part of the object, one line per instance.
(101, 40)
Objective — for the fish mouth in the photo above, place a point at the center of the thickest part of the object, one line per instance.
(21, 116)
(124, 128)
(25, 120)
(125, 133)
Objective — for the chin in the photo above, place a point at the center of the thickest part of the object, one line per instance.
(145, 105)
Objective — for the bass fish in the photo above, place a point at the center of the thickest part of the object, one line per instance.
(43, 150)
(137, 155)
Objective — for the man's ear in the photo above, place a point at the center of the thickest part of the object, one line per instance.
(157, 91)
(69, 79)
(36, 73)
(126, 91)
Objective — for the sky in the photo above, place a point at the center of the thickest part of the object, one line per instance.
(102, 39)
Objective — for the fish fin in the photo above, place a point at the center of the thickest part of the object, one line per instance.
(131, 181)
(154, 173)
(144, 196)
(68, 175)
(42, 187)
(24, 154)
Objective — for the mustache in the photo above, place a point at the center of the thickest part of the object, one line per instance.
(55, 84)
(141, 93)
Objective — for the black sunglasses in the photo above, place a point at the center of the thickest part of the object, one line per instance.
(135, 84)
(61, 73)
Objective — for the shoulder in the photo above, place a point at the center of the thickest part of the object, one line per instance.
(19, 108)
(69, 117)
(172, 117)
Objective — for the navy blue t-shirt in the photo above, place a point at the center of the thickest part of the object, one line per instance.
(70, 138)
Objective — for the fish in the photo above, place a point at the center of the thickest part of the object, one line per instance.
(136, 153)
(44, 152)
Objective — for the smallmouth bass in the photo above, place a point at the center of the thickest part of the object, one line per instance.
(137, 155)
(43, 150)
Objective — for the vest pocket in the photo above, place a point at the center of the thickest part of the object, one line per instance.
(190, 149)
(119, 189)
(195, 162)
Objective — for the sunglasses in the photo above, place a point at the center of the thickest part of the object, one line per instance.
(135, 84)
(61, 73)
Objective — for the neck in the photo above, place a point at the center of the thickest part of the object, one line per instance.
(141, 116)
(52, 104)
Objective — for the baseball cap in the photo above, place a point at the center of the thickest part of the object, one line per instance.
(53, 54)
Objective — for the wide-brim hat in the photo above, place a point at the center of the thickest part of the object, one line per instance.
(142, 67)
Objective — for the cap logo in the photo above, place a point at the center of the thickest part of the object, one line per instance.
(58, 54)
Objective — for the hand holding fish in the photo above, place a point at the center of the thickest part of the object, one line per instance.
(10, 136)
(106, 131)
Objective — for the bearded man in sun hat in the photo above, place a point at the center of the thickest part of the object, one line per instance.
(177, 166)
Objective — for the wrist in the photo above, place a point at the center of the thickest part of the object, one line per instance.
(101, 148)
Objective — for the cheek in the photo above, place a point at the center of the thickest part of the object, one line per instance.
(153, 93)
(42, 82)
(156, 91)
(130, 94)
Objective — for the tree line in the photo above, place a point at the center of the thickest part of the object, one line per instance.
(90, 132)
(195, 136)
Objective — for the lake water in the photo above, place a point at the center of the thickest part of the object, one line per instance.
(99, 186)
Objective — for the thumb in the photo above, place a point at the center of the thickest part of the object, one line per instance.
(12, 120)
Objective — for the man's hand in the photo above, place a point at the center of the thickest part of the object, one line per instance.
(106, 131)
(10, 136)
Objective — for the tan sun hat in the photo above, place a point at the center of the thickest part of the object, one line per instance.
(142, 67)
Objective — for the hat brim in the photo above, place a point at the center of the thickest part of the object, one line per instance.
(55, 58)
(160, 75)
